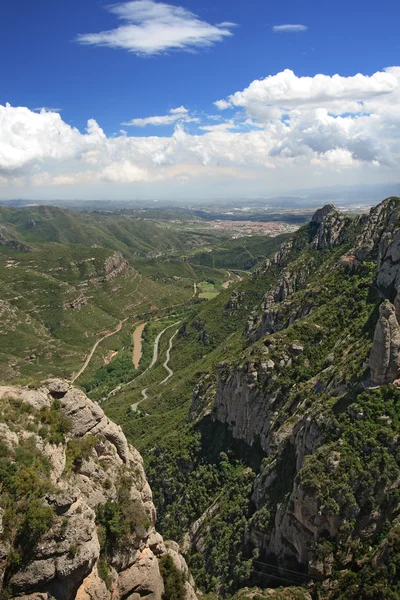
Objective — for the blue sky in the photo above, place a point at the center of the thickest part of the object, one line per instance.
(49, 60)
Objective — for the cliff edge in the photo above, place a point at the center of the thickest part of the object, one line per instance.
(77, 520)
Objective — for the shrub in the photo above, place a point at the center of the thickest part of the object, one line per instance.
(78, 450)
(174, 580)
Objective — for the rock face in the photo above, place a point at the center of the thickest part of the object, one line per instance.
(282, 418)
(330, 225)
(77, 303)
(384, 359)
(328, 228)
(254, 415)
(114, 265)
(9, 240)
(68, 561)
(377, 229)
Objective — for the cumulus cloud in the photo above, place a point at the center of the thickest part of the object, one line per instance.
(287, 91)
(27, 136)
(150, 27)
(289, 28)
(284, 131)
(174, 114)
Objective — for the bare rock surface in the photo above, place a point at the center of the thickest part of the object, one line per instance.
(65, 563)
(332, 225)
(384, 358)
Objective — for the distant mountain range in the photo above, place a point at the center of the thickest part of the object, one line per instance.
(367, 195)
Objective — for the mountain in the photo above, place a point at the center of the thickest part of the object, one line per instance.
(273, 452)
(127, 233)
(268, 421)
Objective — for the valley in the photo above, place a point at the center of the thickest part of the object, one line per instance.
(245, 385)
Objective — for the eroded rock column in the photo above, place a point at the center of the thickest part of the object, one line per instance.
(384, 359)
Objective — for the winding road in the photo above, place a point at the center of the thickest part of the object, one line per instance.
(165, 364)
(93, 350)
(153, 362)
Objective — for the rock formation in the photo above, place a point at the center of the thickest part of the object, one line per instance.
(76, 303)
(330, 225)
(327, 229)
(114, 265)
(384, 359)
(9, 240)
(377, 226)
(69, 560)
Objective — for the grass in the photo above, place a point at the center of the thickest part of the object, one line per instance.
(207, 290)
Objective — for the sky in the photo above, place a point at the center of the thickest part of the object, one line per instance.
(197, 99)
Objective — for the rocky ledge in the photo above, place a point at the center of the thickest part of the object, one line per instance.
(100, 542)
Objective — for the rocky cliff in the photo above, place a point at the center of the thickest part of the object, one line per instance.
(77, 518)
(297, 394)
(328, 229)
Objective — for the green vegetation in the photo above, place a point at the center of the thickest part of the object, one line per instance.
(78, 450)
(242, 254)
(116, 520)
(188, 481)
(207, 290)
(174, 580)
(24, 476)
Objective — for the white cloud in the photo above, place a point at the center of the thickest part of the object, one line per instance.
(152, 27)
(289, 28)
(287, 91)
(285, 131)
(124, 171)
(220, 126)
(222, 104)
(27, 136)
(175, 114)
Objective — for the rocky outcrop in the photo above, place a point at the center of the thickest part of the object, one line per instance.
(77, 303)
(235, 301)
(256, 412)
(274, 314)
(9, 240)
(202, 398)
(384, 358)
(376, 229)
(114, 265)
(277, 396)
(328, 227)
(93, 467)
(242, 405)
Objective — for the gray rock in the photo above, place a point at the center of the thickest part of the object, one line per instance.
(332, 226)
(384, 359)
(57, 386)
(143, 578)
(297, 348)
(64, 562)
